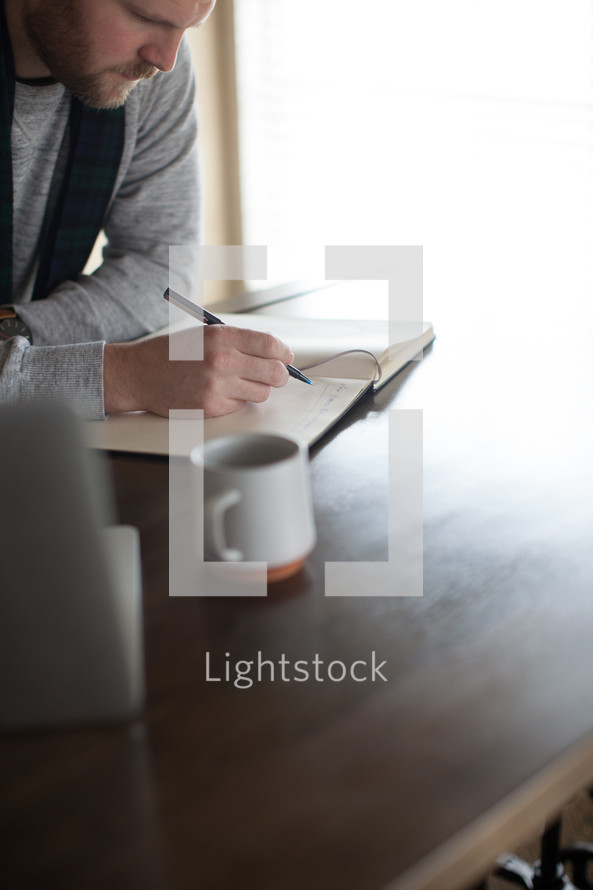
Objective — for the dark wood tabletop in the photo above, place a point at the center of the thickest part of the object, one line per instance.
(483, 728)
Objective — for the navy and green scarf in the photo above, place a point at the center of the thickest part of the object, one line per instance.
(96, 139)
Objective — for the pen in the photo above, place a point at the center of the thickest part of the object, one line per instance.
(208, 318)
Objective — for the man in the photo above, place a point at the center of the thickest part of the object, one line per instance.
(98, 131)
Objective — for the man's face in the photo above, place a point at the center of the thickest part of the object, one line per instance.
(100, 48)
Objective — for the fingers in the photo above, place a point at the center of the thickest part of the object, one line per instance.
(229, 366)
(243, 355)
(249, 343)
(240, 366)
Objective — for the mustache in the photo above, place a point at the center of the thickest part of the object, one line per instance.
(137, 72)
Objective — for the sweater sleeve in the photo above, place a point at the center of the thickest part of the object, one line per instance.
(71, 374)
(156, 205)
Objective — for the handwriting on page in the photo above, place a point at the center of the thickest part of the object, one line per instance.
(324, 404)
(329, 405)
(305, 411)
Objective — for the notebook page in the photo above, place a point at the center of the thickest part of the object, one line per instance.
(295, 409)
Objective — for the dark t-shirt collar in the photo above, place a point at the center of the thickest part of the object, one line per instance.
(37, 81)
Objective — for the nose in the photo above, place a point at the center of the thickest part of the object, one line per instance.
(162, 54)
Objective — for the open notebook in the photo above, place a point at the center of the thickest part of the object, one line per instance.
(381, 350)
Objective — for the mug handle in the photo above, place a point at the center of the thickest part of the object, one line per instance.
(214, 538)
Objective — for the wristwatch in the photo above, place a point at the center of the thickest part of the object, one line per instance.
(12, 326)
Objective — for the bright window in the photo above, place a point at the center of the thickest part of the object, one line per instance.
(464, 126)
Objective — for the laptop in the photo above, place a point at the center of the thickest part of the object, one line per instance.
(70, 585)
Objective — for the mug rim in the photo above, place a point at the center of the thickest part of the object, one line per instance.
(199, 455)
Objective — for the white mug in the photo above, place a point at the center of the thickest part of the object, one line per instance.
(257, 501)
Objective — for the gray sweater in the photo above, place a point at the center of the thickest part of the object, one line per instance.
(155, 205)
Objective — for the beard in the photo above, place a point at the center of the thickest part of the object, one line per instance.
(55, 30)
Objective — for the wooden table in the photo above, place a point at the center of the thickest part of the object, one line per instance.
(483, 728)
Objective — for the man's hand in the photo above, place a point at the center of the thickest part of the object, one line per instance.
(238, 366)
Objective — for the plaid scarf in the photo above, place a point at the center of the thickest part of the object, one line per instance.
(96, 139)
